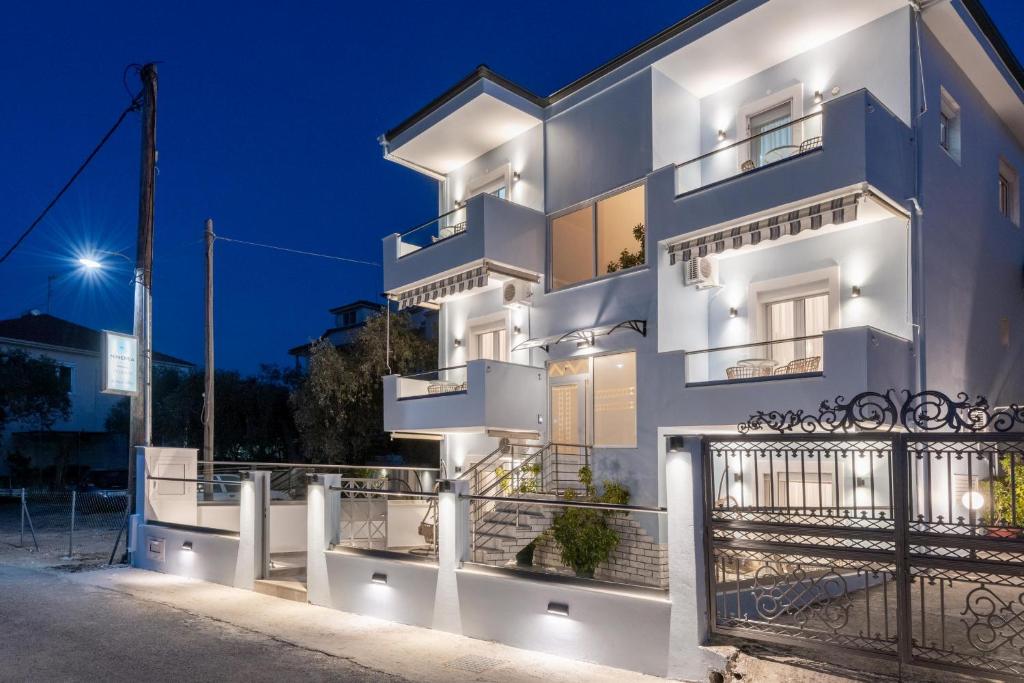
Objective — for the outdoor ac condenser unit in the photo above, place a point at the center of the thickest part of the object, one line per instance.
(516, 293)
(702, 272)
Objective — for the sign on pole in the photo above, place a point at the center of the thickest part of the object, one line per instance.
(120, 364)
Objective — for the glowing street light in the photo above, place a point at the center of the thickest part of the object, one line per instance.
(90, 263)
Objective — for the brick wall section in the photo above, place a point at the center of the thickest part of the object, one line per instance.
(638, 559)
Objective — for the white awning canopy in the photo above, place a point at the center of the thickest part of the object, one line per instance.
(835, 211)
(471, 278)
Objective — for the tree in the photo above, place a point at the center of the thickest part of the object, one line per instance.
(339, 406)
(31, 390)
(629, 259)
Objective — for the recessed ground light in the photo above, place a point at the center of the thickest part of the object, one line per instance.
(559, 608)
(187, 545)
(379, 578)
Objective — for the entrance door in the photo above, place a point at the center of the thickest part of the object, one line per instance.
(568, 412)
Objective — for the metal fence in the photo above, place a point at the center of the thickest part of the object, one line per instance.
(73, 525)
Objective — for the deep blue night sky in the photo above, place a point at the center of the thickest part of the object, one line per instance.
(268, 119)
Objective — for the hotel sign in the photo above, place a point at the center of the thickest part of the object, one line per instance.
(120, 364)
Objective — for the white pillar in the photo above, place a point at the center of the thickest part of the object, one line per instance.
(322, 518)
(688, 625)
(452, 551)
(253, 559)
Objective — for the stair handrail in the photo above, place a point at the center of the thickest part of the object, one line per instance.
(517, 471)
(497, 452)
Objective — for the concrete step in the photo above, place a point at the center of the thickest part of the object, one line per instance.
(286, 589)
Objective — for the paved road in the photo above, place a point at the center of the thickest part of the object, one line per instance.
(58, 629)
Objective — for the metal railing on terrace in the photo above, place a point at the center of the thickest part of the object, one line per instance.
(777, 359)
(433, 383)
(763, 149)
(371, 517)
(435, 230)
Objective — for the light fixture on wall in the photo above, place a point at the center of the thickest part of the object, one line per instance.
(516, 329)
(721, 135)
(855, 291)
(973, 500)
(675, 443)
(818, 97)
(457, 342)
(187, 545)
(559, 608)
(733, 312)
(515, 176)
(380, 578)
(459, 203)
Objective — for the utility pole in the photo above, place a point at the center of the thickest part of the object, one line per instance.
(208, 412)
(141, 430)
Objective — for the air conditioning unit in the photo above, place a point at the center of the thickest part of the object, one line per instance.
(702, 272)
(516, 293)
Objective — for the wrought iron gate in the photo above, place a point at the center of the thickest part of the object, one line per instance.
(891, 524)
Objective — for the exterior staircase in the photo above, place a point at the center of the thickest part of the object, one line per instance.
(514, 473)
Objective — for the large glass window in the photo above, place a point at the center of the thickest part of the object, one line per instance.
(604, 237)
(615, 400)
(767, 120)
(492, 345)
(800, 317)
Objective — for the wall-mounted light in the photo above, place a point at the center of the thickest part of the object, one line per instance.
(835, 90)
(675, 443)
(737, 477)
(515, 176)
(459, 203)
(516, 329)
(380, 578)
(733, 312)
(861, 482)
(559, 608)
(721, 135)
(818, 97)
(855, 291)
(456, 342)
(187, 545)
(973, 500)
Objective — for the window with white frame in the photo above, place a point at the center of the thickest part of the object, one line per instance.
(615, 400)
(780, 135)
(795, 319)
(949, 125)
(1009, 192)
(489, 339)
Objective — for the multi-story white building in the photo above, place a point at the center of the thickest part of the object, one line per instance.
(766, 205)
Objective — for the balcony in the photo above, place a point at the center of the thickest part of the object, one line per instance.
(724, 386)
(486, 228)
(475, 397)
(854, 140)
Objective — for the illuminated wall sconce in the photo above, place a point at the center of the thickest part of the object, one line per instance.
(835, 91)
(973, 500)
(459, 203)
(721, 135)
(855, 291)
(457, 342)
(559, 608)
(733, 312)
(515, 176)
(861, 482)
(187, 545)
(517, 330)
(737, 477)
(380, 578)
(675, 443)
(818, 97)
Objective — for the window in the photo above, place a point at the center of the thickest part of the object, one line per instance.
(604, 237)
(949, 125)
(1008, 197)
(778, 115)
(348, 318)
(66, 375)
(793, 318)
(615, 400)
(489, 339)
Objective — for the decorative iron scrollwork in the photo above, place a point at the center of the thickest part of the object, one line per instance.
(800, 596)
(995, 622)
(871, 411)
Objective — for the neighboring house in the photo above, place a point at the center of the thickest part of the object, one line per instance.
(769, 204)
(81, 439)
(352, 317)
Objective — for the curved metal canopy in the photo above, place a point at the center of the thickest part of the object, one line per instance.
(583, 335)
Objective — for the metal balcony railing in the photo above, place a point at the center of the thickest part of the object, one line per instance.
(776, 359)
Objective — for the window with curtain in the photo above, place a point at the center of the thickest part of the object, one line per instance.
(615, 400)
(798, 317)
(777, 116)
(492, 345)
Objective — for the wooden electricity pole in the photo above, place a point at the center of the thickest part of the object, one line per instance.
(208, 412)
(141, 430)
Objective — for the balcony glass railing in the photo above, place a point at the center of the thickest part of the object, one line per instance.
(434, 383)
(779, 359)
(433, 231)
(757, 151)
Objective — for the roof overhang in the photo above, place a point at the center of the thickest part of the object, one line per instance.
(482, 112)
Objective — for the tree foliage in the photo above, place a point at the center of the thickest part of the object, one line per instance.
(339, 405)
(583, 536)
(630, 259)
(31, 390)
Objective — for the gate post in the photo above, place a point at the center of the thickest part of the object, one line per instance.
(901, 494)
(689, 625)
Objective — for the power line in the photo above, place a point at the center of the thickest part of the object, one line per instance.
(130, 108)
(298, 251)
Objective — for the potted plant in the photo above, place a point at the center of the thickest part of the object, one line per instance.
(583, 536)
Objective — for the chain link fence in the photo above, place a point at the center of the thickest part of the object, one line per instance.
(79, 526)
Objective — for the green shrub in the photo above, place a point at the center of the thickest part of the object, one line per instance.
(582, 534)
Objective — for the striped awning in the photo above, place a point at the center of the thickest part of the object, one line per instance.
(832, 212)
(442, 287)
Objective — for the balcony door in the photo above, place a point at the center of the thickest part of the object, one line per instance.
(801, 316)
(569, 387)
(488, 339)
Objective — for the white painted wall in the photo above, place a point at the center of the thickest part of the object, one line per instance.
(524, 154)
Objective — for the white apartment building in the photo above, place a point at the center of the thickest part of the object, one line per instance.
(830, 201)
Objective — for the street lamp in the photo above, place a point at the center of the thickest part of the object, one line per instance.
(91, 264)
